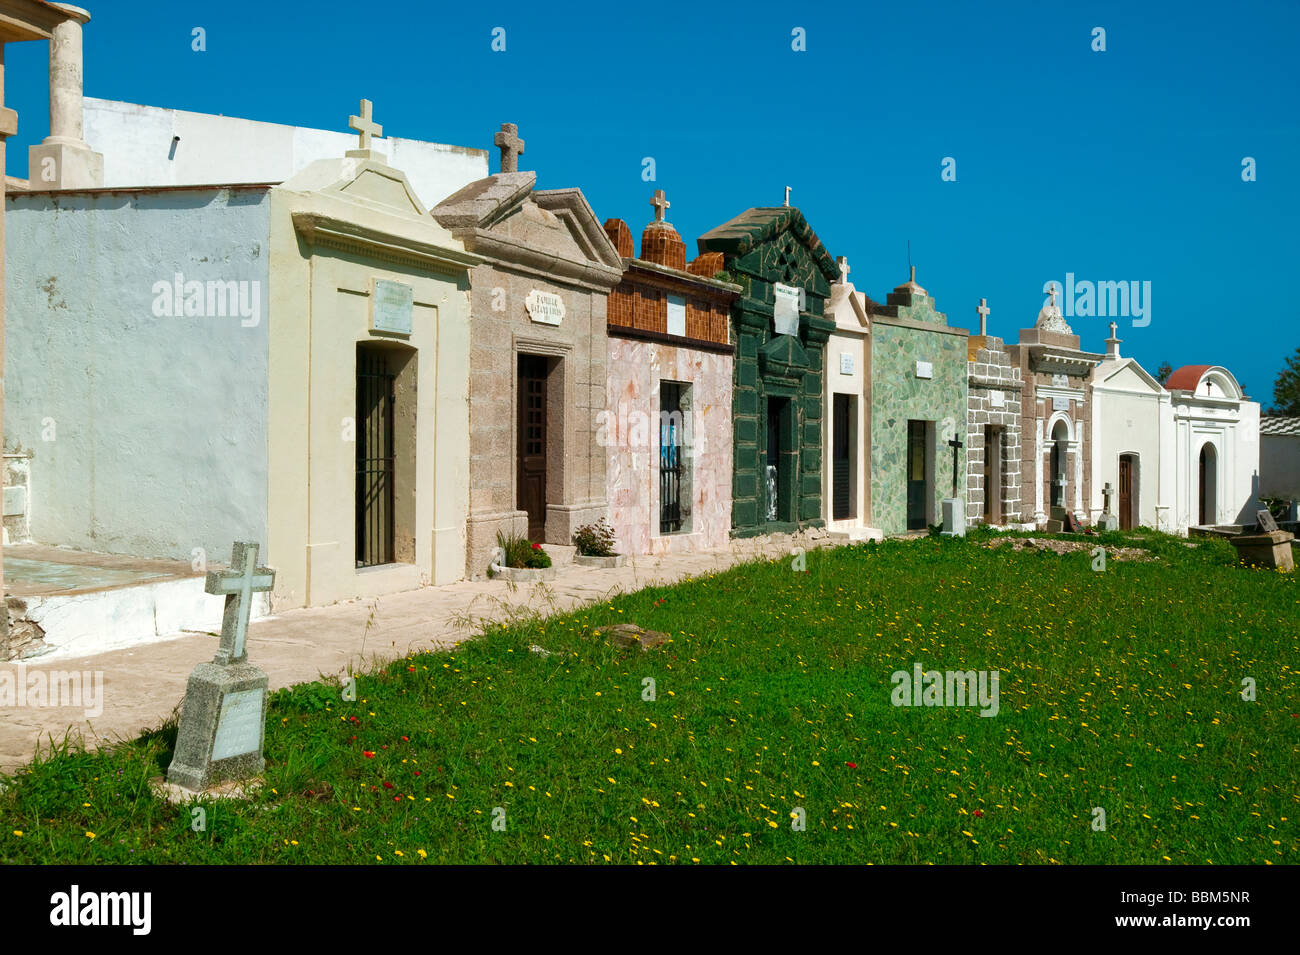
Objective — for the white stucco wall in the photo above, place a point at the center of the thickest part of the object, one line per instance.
(148, 433)
(136, 142)
(1279, 466)
(1132, 414)
(1233, 428)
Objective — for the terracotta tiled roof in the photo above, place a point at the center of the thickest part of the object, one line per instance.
(1274, 425)
(1187, 377)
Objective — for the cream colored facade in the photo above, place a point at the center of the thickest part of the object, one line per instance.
(337, 228)
(848, 373)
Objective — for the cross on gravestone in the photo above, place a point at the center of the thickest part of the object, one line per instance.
(511, 146)
(364, 125)
(843, 264)
(1107, 491)
(984, 316)
(223, 718)
(238, 584)
(661, 205)
(956, 446)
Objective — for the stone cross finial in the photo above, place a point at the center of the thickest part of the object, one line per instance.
(787, 195)
(364, 125)
(238, 584)
(511, 146)
(1113, 326)
(1107, 491)
(1051, 290)
(843, 263)
(984, 316)
(661, 205)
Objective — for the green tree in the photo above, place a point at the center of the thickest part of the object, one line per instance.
(1286, 389)
(1163, 372)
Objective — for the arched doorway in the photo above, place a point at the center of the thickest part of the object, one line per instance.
(1056, 469)
(1209, 509)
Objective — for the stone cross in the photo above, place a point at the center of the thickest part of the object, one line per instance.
(364, 125)
(238, 584)
(1113, 326)
(984, 316)
(787, 195)
(512, 147)
(1051, 290)
(843, 263)
(1107, 491)
(956, 446)
(661, 205)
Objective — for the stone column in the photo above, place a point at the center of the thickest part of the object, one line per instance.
(63, 160)
(8, 126)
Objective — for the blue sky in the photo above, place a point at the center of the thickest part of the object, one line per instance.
(1116, 165)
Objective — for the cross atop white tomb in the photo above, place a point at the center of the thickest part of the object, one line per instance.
(1051, 291)
(787, 195)
(984, 316)
(661, 205)
(843, 263)
(238, 584)
(365, 125)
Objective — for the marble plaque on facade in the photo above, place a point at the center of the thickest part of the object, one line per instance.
(546, 308)
(846, 363)
(924, 369)
(998, 399)
(391, 307)
(676, 315)
(1060, 404)
(239, 729)
(785, 311)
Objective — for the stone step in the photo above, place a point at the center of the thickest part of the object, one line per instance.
(561, 554)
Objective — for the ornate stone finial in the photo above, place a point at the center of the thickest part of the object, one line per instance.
(661, 205)
(364, 125)
(511, 146)
(1050, 318)
(843, 264)
(983, 311)
(1112, 344)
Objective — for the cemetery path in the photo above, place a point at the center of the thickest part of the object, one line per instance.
(143, 685)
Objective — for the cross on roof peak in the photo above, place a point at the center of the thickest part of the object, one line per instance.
(984, 310)
(511, 146)
(365, 125)
(1051, 291)
(661, 205)
(843, 263)
(787, 195)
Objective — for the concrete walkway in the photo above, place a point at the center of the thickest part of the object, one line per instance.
(143, 685)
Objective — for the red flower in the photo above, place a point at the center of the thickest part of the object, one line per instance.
(366, 753)
(406, 739)
(397, 799)
(537, 547)
(851, 765)
(979, 813)
(388, 785)
(417, 772)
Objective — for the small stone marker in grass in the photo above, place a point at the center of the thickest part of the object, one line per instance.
(1107, 521)
(630, 635)
(223, 718)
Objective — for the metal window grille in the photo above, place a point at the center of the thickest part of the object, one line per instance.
(375, 459)
(670, 459)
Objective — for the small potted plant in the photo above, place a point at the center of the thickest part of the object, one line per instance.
(519, 559)
(595, 543)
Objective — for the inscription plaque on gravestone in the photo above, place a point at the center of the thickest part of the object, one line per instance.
(239, 727)
(924, 369)
(392, 306)
(846, 363)
(785, 310)
(545, 308)
(1060, 404)
(1266, 522)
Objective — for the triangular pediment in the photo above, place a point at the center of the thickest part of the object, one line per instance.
(774, 244)
(368, 182)
(1127, 375)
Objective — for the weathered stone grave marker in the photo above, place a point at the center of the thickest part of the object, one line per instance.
(954, 510)
(223, 718)
(1107, 521)
(1269, 548)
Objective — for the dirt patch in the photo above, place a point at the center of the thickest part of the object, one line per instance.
(1068, 547)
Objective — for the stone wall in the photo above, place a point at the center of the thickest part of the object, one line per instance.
(994, 390)
(630, 435)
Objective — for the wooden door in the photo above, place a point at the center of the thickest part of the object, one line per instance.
(992, 474)
(916, 468)
(1126, 492)
(842, 458)
(531, 494)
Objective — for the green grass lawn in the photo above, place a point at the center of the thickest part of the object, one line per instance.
(1119, 690)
